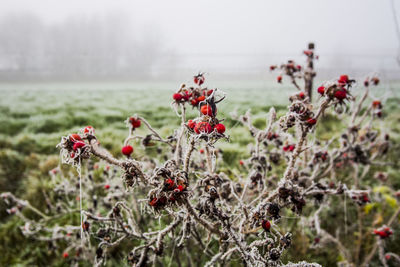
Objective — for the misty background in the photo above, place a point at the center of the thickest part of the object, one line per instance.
(110, 40)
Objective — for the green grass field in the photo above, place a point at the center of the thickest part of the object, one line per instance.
(34, 116)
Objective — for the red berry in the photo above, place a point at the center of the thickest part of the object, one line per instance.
(206, 110)
(201, 151)
(308, 52)
(199, 79)
(107, 186)
(311, 121)
(86, 226)
(383, 233)
(241, 162)
(375, 80)
(341, 94)
(177, 97)
(321, 90)
(376, 104)
(135, 122)
(209, 92)
(169, 183)
(191, 124)
(302, 95)
(365, 198)
(343, 79)
(203, 127)
(298, 67)
(220, 128)
(153, 202)
(285, 148)
(387, 256)
(127, 150)
(194, 102)
(201, 98)
(266, 225)
(272, 67)
(89, 129)
(65, 255)
(279, 79)
(291, 147)
(186, 95)
(75, 137)
(181, 188)
(78, 145)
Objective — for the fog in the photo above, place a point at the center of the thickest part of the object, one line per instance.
(99, 39)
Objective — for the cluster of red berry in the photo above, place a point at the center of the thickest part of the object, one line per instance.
(193, 95)
(290, 69)
(173, 192)
(289, 148)
(205, 127)
(339, 90)
(383, 232)
(377, 107)
(321, 156)
(203, 99)
(374, 80)
(272, 136)
(361, 199)
(75, 142)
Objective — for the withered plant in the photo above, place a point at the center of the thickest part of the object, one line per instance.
(168, 212)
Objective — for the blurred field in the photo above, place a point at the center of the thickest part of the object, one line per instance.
(34, 116)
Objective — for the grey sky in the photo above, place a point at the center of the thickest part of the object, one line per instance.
(224, 28)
